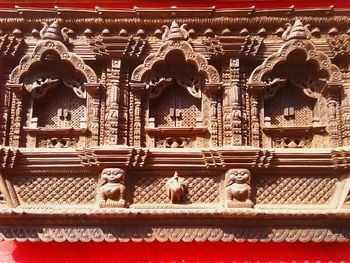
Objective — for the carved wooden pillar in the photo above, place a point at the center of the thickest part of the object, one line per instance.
(113, 99)
(332, 105)
(4, 107)
(255, 90)
(5, 191)
(213, 90)
(227, 107)
(345, 113)
(236, 107)
(232, 104)
(16, 113)
(94, 113)
(137, 89)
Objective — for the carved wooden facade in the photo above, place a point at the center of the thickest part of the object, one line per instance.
(175, 124)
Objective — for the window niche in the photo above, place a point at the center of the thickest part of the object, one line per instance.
(294, 104)
(176, 104)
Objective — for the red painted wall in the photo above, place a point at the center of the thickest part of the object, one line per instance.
(173, 252)
(176, 252)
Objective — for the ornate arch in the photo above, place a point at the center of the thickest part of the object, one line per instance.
(199, 60)
(322, 60)
(61, 50)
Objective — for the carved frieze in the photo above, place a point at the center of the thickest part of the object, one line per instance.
(188, 117)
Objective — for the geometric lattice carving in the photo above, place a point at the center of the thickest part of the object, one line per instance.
(175, 108)
(59, 99)
(151, 189)
(286, 97)
(295, 190)
(55, 190)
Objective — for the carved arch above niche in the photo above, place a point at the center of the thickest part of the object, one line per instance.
(186, 49)
(41, 49)
(62, 118)
(306, 112)
(306, 46)
(199, 129)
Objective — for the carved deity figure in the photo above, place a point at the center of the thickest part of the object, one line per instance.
(238, 188)
(112, 191)
(176, 188)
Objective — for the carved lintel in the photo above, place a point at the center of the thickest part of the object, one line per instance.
(138, 86)
(92, 88)
(213, 87)
(17, 88)
(341, 158)
(332, 86)
(256, 87)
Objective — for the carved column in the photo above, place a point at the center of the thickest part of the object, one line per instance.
(4, 109)
(213, 89)
(4, 190)
(332, 101)
(113, 99)
(236, 108)
(227, 107)
(345, 113)
(255, 91)
(137, 89)
(94, 113)
(16, 113)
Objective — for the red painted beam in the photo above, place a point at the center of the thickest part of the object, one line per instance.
(150, 3)
(173, 252)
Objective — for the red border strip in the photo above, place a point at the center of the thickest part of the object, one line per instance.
(173, 252)
(217, 4)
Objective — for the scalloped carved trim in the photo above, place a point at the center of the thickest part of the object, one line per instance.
(60, 49)
(162, 234)
(281, 55)
(199, 60)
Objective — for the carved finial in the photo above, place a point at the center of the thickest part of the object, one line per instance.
(298, 31)
(175, 32)
(54, 32)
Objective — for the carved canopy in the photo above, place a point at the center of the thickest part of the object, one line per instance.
(186, 49)
(306, 46)
(41, 50)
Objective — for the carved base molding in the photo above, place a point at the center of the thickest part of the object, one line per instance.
(174, 234)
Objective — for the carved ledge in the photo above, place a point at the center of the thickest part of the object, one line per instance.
(56, 131)
(294, 130)
(177, 130)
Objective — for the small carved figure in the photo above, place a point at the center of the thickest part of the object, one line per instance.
(238, 188)
(113, 188)
(176, 188)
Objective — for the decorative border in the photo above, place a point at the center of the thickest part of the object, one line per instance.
(177, 234)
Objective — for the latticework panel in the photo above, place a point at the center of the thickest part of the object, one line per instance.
(294, 190)
(151, 190)
(160, 109)
(189, 107)
(55, 190)
(60, 108)
(175, 108)
(285, 98)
